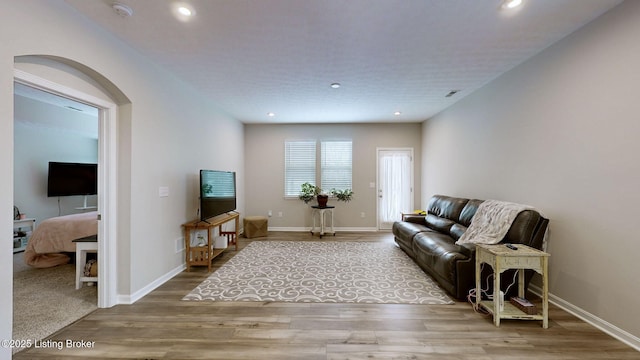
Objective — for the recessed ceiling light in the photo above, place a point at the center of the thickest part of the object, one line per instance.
(397, 113)
(271, 114)
(511, 4)
(335, 85)
(185, 11)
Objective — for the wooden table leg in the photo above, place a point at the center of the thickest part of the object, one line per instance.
(187, 246)
(545, 292)
(478, 289)
(496, 294)
(235, 238)
(209, 249)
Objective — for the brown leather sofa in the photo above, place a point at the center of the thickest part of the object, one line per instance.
(430, 241)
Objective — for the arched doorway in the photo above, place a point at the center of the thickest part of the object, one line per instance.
(76, 78)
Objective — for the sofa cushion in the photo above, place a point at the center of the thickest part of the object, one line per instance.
(403, 229)
(438, 252)
(446, 207)
(522, 228)
(438, 224)
(468, 211)
(456, 231)
(404, 232)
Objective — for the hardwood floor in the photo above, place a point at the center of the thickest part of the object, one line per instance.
(161, 326)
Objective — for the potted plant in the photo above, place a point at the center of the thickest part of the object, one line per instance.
(322, 199)
(308, 192)
(342, 195)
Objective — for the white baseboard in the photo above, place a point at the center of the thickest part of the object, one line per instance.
(589, 318)
(308, 229)
(292, 229)
(130, 299)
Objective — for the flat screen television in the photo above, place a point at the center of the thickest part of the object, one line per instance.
(69, 179)
(217, 193)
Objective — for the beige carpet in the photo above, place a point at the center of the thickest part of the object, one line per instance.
(321, 271)
(46, 300)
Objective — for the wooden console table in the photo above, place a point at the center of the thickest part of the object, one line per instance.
(203, 255)
(501, 258)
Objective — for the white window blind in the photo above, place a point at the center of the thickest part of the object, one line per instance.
(336, 165)
(299, 165)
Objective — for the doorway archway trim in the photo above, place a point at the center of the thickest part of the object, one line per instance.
(107, 196)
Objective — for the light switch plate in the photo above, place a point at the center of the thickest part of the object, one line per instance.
(163, 191)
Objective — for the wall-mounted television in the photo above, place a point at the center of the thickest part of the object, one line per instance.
(69, 179)
(217, 193)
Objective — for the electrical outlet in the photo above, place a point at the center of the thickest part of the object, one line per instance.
(270, 213)
(279, 213)
(362, 214)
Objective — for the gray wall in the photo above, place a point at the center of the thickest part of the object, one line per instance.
(560, 132)
(166, 132)
(38, 140)
(264, 161)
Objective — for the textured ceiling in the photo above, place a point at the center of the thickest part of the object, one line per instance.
(252, 57)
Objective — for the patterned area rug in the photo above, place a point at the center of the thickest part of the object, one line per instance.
(321, 271)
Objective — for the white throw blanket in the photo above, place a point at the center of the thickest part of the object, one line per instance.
(491, 222)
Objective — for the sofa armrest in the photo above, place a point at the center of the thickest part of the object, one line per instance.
(416, 219)
(468, 249)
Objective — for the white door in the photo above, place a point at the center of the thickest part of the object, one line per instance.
(395, 185)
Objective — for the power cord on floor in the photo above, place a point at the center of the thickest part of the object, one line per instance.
(471, 297)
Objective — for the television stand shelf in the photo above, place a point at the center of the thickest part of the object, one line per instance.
(203, 255)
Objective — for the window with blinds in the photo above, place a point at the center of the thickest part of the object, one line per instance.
(299, 165)
(336, 165)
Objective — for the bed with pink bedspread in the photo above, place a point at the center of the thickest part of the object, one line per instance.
(54, 236)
